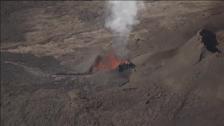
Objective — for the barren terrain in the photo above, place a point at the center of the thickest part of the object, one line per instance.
(48, 49)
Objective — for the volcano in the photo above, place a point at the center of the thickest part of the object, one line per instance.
(177, 48)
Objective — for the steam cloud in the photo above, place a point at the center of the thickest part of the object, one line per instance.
(123, 16)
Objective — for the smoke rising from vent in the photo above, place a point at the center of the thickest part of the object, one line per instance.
(122, 18)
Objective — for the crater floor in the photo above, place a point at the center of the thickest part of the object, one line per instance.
(177, 48)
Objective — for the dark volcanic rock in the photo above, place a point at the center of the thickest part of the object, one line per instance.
(179, 68)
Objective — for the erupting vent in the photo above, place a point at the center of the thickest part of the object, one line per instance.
(112, 62)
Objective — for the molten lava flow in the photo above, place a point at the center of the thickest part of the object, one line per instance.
(109, 62)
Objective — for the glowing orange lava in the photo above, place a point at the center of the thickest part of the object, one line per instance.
(108, 62)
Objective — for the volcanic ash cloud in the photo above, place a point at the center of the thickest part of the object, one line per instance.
(122, 18)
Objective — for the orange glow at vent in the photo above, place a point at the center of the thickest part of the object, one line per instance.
(109, 62)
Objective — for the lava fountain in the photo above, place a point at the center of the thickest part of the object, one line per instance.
(109, 62)
(112, 62)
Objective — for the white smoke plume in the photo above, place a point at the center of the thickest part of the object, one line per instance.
(122, 18)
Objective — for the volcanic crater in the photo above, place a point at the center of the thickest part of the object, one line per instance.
(58, 67)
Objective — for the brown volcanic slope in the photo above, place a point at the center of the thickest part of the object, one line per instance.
(179, 77)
